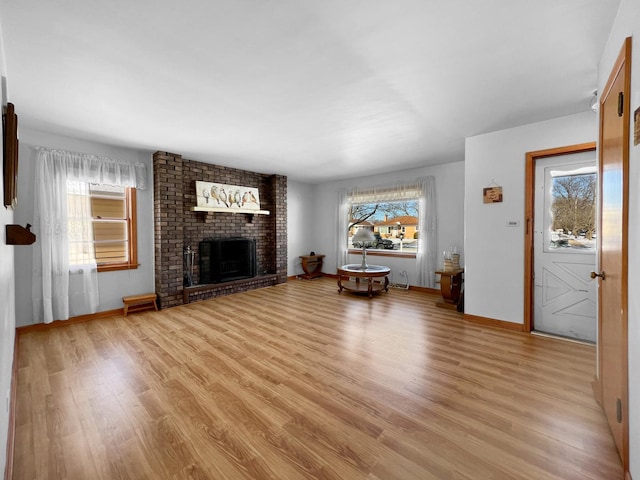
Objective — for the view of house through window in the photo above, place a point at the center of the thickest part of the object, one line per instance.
(101, 225)
(394, 224)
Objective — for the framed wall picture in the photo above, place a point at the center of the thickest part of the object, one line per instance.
(221, 195)
(636, 127)
(492, 194)
(10, 155)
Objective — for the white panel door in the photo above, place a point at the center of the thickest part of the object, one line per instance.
(565, 246)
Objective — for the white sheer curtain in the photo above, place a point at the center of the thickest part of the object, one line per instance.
(421, 189)
(427, 249)
(58, 295)
(83, 270)
(342, 233)
(50, 255)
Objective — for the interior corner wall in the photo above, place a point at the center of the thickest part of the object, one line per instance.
(494, 252)
(627, 24)
(300, 223)
(7, 326)
(7, 305)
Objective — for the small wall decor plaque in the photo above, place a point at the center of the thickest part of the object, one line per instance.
(221, 195)
(492, 193)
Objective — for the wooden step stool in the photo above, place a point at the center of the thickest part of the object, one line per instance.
(134, 303)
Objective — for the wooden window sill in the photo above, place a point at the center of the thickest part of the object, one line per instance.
(118, 266)
(382, 253)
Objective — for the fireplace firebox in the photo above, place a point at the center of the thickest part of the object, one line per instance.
(227, 259)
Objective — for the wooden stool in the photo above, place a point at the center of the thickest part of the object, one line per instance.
(134, 303)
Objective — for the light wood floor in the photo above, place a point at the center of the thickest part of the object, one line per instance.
(297, 381)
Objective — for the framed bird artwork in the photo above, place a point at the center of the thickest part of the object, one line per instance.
(222, 195)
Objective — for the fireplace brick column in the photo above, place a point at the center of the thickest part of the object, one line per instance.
(168, 208)
(279, 191)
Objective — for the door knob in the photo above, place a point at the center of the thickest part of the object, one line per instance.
(601, 275)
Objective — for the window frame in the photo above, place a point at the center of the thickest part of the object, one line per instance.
(379, 252)
(132, 236)
(376, 252)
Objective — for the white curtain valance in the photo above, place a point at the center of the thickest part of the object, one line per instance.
(83, 167)
(385, 193)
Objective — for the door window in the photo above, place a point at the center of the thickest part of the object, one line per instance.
(570, 213)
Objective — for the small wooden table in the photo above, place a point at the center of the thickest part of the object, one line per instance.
(311, 265)
(369, 287)
(450, 287)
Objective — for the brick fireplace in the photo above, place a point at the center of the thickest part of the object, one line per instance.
(176, 227)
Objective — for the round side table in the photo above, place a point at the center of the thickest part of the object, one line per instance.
(375, 276)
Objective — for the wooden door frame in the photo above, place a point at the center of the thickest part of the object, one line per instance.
(623, 61)
(529, 206)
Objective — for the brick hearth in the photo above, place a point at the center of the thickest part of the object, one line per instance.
(176, 226)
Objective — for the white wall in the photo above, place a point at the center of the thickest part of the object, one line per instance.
(449, 180)
(300, 224)
(7, 305)
(112, 285)
(7, 324)
(494, 262)
(627, 24)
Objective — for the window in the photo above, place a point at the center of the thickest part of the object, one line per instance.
(572, 222)
(110, 235)
(394, 222)
(406, 200)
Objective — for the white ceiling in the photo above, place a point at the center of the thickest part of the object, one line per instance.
(316, 90)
